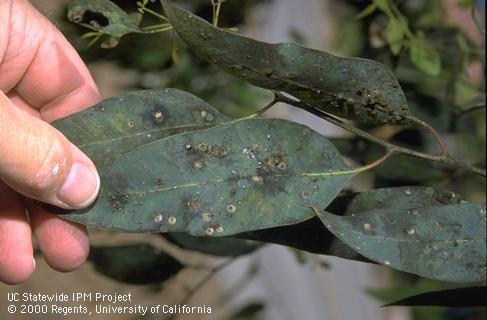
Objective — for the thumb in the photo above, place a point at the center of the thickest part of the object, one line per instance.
(37, 161)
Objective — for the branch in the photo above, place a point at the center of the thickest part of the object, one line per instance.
(206, 279)
(391, 148)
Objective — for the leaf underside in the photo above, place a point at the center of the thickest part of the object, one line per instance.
(134, 264)
(358, 89)
(458, 297)
(221, 247)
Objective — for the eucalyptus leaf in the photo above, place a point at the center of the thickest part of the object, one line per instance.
(309, 235)
(432, 293)
(353, 88)
(239, 176)
(119, 124)
(384, 6)
(134, 264)
(394, 35)
(425, 56)
(222, 247)
(366, 11)
(459, 297)
(312, 236)
(422, 231)
(103, 15)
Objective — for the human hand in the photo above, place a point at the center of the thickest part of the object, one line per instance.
(42, 79)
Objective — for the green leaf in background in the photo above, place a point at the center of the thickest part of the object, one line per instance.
(425, 56)
(465, 4)
(102, 15)
(119, 124)
(418, 230)
(221, 247)
(236, 177)
(384, 6)
(394, 35)
(134, 264)
(353, 88)
(367, 11)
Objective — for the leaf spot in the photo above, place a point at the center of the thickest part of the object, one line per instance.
(210, 231)
(172, 220)
(199, 164)
(387, 263)
(257, 179)
(158, 117)
(231, 208)
(158, 218)
(207, 216)
(410, 231)
(219, 228)
(195, 204)
(203, 147)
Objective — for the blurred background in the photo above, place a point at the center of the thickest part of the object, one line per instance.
(275, 282)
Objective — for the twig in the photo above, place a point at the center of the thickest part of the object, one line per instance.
(435, 134)
(206, 279)
(236, 288)
(472, 109)
(264, 109)
(216, 11)
(395, 149)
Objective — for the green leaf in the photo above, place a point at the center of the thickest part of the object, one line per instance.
(222, 247)
(119, 124)
(310, 236)
(394, 35)
(110, 42)
(425, 56)
(422, 231)
(384, 6)
(367, 11)
(428, 292)
(459, 297)
(240, 176)
(465, 4)
(103, 16)
(359, 89)
(134, 264)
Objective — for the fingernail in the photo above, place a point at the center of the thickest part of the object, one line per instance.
(80, 188)
(34, 262)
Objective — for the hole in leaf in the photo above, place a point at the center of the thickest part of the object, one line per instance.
(91, 17)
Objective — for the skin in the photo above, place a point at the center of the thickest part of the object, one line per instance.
(42, 79)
